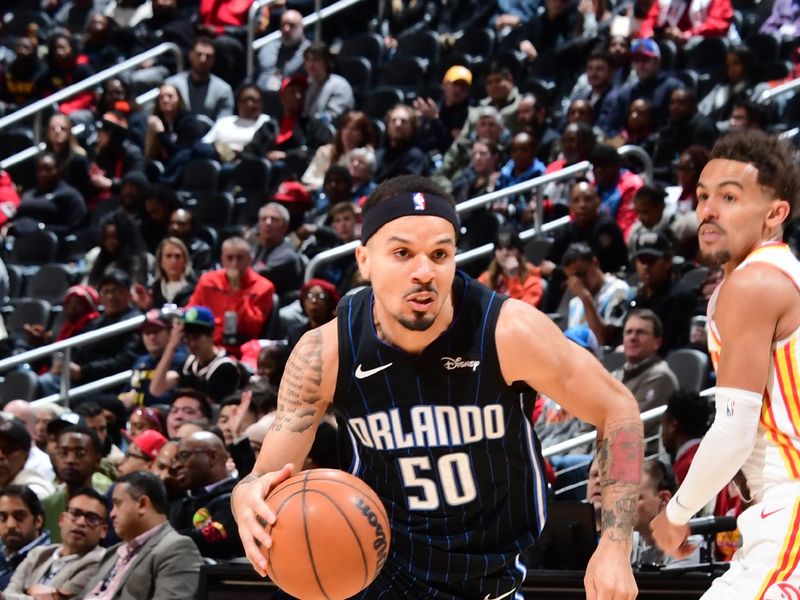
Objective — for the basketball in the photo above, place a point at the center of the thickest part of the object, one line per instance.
(331, 535)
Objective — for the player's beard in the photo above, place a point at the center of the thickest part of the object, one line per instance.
(715, 259)
(420, 321)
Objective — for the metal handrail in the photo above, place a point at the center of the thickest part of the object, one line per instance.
(542, 180)
(487, 249)
(252, 15)
(585, 438)
(639, 153)
(462, 207)
(309, 20)
(778, 90)
(79, 340)
(88, 388)
(28, 153)
(38, 106)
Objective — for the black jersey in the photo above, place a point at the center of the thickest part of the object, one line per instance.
(447, 445)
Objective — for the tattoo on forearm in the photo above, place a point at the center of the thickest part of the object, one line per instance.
(300, 386)
(619, 456)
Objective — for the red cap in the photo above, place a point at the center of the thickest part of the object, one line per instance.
(298, 79)
(292, 192)
(150, 442)
(86, 293)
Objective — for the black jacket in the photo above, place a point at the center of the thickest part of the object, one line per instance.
(62, 209)
(111, 355)
(207, 518)
(401, 160)
(603, 236)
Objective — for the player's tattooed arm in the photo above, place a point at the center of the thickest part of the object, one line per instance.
(301, 386)
(619, 456)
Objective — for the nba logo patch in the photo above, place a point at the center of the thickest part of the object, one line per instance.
(419, 201)
(729, 408)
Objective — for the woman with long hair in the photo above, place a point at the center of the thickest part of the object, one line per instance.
(119, 247)
(510, 273)
(175, 280)
(64, 68)
(740, 82)
(113, 156)
(171, 127)
(355, 131)
(71, 157)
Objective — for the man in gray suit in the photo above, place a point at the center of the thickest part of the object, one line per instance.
(63, 570)
(153, 561)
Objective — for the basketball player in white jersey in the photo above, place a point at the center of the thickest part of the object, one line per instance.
(746, 194)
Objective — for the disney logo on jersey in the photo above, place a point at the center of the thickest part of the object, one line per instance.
(459, 363)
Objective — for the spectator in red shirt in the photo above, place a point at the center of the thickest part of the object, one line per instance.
(616, 186)
(240, 298)
(9, 198)
(679, 20)
(510, 273)
(226, 22)
(65, 67)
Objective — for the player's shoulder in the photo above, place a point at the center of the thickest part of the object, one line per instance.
(519, 320)
(757, 279)
(758, 284)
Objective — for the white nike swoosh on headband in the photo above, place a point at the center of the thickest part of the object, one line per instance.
(362, 374)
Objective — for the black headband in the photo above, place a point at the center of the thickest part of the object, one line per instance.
(404, 205)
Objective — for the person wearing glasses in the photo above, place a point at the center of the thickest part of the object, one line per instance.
(152, 561)
(318, 299)
(21, 528)
(77, 457)
(63, 570)
(204, 514)
(142, 452)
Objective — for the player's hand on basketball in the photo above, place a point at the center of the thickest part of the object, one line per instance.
(255, 517)
(609, 575)
(671, 538)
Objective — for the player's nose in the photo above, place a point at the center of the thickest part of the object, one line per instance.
(423, 269)
(707, 210)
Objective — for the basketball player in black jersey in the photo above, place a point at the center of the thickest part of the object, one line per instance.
(430, 376)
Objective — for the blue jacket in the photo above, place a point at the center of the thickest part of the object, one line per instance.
(507, 177)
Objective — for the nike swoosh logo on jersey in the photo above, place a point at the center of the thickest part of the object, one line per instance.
(500, 597)
(362, 374)
(765, 515)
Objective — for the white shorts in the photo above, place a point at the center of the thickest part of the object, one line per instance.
(766, 566)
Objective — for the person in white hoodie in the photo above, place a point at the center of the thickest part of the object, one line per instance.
(15, 446)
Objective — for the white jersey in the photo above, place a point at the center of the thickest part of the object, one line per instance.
(776, 456)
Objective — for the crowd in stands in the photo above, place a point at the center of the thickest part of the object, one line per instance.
(203, 207)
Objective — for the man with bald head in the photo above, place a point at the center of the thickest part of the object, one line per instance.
(240, 298)
(204, 514)
(38, 460)
(181, 225)
(283, 57)
(274, 257)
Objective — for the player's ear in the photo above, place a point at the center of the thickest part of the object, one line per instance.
(362, 259)
(778, 213)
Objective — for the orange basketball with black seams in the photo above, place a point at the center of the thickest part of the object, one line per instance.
(331, 535)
